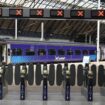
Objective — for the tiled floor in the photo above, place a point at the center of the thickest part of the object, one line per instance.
(12, 98)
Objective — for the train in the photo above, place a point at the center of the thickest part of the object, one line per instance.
(18, 51)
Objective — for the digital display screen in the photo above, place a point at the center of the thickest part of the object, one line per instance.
(98, 14)
(36, 13)
(16, 12)
(77, 13)
(56, 13)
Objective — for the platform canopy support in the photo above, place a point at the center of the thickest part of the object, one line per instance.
(98, 36)
(16, 28)
(42, 31)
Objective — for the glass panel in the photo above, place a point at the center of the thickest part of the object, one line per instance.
(77, 52)
(41, 52)
(61, 52)
(51, 52)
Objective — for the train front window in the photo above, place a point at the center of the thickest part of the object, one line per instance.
(92, 52)
(69, 52)
(30, 52)
(85, 52)
(41, 52)
(77, 52)
(51, 52)
(61, 52)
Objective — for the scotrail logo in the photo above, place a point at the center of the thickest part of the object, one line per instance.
(59, 58)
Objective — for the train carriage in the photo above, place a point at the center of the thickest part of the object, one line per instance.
(27, 52)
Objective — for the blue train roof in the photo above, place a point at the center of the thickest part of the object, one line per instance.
(55, 43)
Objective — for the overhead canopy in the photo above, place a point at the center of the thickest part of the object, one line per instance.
(66, 29)
(65, 4)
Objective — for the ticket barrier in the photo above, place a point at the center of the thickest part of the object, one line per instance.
(45, 82)
(66, 82)
(101, 79)
(23, 72)
(3, 84)
(87, 88)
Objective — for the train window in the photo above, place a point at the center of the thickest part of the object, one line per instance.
(30, 52)
(69, 52)
(92, 52)
(77, 52)
(51, 52)
(61, 52)
(18, 51)
(13, 52)
(41, 52)
(85, 52)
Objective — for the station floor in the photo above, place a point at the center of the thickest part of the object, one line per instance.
(12, 98)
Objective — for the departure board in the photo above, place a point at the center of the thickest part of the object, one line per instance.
(56, 13)
(77, 13)
(36, 12)
(15, 12)
(98, 14)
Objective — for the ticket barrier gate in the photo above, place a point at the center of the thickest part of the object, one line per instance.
(87, 88)
(66, 82)
(3, 84)
(101, 79)
(45, 84)
(23, 72)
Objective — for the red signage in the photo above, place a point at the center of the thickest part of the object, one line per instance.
(56, 13)
(80, 13)
(60, 13)
(18, 12)
(97, 13)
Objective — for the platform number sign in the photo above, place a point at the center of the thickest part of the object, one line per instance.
(36, 12)
(98, 14)
(56, 13)
(16, 12)
(77, 13)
